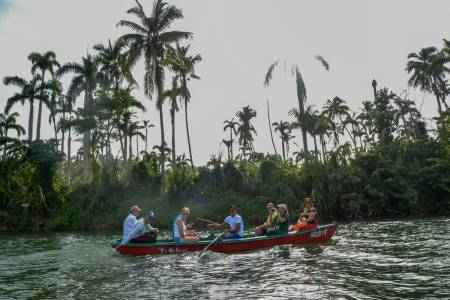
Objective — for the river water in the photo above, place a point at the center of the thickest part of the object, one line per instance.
(404, 259)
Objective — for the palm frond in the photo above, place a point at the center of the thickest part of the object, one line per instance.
(269, 73)
(323, 61)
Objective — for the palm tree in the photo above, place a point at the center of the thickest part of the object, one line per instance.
(428, 71)
(43, 62)
(113, 62)
(30, 91)
(183, 65)
(135, 130)
(8, 122)
(56, 97)
(323, 129)
(228, 144)
(149, 39)
(231, 125)
(173, 95)
(284, 128)
(86, 79)
(337, 108)
(245, 128)
(301, 93)
(123, 102)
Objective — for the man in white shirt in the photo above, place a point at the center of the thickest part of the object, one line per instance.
(234, 222)
(131, 220)
(141, 227)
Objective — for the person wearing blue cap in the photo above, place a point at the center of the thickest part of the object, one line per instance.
(141, 227)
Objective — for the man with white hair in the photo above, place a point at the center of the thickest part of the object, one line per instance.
(131, 219)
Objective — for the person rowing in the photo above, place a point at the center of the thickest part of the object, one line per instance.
(282, 221)
(181, 231)
(140, 228)
(308, 217)
(234, 222)
(269, 225)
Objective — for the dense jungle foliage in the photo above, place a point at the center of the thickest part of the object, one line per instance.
(384, 160)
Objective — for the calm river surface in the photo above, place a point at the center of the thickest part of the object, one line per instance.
(405, 259)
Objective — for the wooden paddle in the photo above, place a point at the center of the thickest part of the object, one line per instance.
(207, 221)
(212, 242)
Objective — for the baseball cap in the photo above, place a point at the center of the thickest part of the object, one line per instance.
(151, 214)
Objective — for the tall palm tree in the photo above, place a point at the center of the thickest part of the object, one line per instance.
(245, 128)
(150, 35)
(123, 103)
(337, 108)
(301, 92)
(114, 63)
(134, 130)
(284, 128)
(183, 65)
(428, 71)
(173, 95)
(8, 122)
(43, 62)
(86, 79)
(30, 91)
(232, 126)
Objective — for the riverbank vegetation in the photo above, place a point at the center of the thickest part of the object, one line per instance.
(381, 159)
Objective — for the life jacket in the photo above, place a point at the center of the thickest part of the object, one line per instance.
(306, 215)
(303, 226)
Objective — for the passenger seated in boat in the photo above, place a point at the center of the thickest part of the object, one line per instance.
(181, 231)
(235, 224)
(308, 216)
(140, 228)
(131, 219)
(269, 225)
(282, 221)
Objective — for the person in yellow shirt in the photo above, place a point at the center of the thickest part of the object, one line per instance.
(269, 225)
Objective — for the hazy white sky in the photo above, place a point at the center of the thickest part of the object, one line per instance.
(238, 40)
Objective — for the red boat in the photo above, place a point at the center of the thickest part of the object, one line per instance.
(319, 234)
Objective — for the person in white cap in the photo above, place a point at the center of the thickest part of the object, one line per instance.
(131, 219)
(141, 227)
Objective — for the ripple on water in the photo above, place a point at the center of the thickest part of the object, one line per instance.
(386, 260)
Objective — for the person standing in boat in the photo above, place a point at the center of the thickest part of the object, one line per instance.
(234, 222)
(141, 227)
(131, 219)
(181, 231)
(282, 221)
(269, 225)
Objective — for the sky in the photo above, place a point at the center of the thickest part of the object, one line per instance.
(238, 40)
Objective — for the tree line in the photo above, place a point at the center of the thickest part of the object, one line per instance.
(362, 163)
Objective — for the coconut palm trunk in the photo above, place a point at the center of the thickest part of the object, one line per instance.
(270, 129)
(187, 132)
(30, 121)
(63, 132)
(69, 156)
(38, 127)
(172, 121)
(315, 146)
(86, 140)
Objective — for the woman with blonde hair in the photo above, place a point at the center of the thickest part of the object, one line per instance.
(181, 231)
